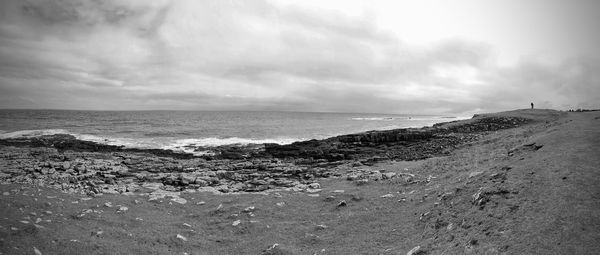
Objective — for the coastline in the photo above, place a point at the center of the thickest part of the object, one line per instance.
(59, 158)
(454, 160)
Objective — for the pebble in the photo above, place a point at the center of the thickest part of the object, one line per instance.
(281, 204)
(179, 200)
(414, 251)
(108, 204)
(122, 209)
(183, 238)
(313, 190)
(314, 185)
(237, 222)
(249, 209)
(321, 227)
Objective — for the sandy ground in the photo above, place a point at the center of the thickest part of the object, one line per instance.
(527, 190)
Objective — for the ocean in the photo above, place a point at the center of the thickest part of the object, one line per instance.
(177, 130)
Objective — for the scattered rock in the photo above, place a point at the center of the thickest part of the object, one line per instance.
(475, 173)
(361, 182)
(388, 175)
(122, 209)
(313, 190)
(415, 251)
(182, 238)
(342, 203)
(314, 185)
(179, 200)
(321, 227)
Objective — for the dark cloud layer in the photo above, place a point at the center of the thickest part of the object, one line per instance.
(257, 55)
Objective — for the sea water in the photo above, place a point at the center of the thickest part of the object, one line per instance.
(179, 129)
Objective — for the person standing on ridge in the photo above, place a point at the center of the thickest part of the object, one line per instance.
(532, 105)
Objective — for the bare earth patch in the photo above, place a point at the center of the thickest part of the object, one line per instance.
(531, 189)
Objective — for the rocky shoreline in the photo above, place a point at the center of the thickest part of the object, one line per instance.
(76, 166)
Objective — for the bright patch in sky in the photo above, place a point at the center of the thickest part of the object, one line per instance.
(427, 56)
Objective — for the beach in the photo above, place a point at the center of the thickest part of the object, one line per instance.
(516, 182)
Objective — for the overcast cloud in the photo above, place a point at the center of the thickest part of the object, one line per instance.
(263, 55)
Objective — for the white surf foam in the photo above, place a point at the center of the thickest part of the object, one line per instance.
(377, 118)
(32, 133)
(191, 145)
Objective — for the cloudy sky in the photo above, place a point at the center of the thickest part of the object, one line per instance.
(460, 56)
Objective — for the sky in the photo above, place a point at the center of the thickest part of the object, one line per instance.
(425, 57)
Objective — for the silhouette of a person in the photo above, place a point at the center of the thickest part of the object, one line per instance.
(531, 105)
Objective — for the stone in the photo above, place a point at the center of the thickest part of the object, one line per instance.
(376, 176)
(342, 203)
(387, 196)
(187, 178)
(153, 185)
(237, 222)
(108, 204)
(179, 200)
(361, 182)
(313, 190)
(122, 209)
(475, 173)
(182, 238)
(36, 251)
(314, 185)
(415, 251)
(353, 177)
(388, 175)
(249, 209)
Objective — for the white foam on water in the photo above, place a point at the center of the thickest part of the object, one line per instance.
(32, 133)
(378, 118)
(190, 145)
(214, 141)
